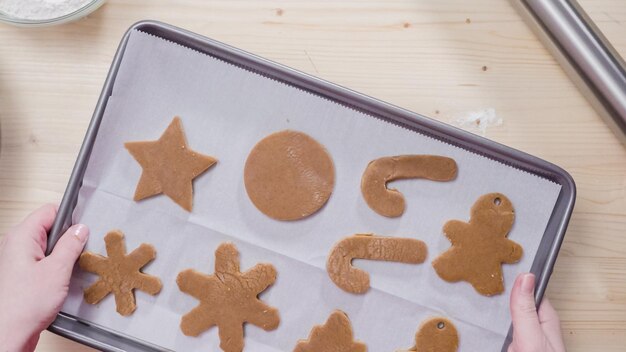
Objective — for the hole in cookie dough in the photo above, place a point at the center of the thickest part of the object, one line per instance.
(497, 201)
(441, 325)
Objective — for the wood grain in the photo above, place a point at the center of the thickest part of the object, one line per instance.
(438, 58)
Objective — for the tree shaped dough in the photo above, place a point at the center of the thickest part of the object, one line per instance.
(169, 166)
(370, 247)
(334, 336)
(119, 273)
(228, 299)
(480, 246)
(435, 335)
(390, 202)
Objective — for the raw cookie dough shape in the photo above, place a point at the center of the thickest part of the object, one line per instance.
(390, 202)
(334, 336)
(372, 247)
(289, 175)
(120, 273)
(436, 334)
(480, 246)
(228, 299)
(169, 166)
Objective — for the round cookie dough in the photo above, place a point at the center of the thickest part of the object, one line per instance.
(289, 175)
(436, 334)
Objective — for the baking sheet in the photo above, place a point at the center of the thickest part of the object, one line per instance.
(225, 110)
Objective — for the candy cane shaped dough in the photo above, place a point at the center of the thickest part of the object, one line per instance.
(372, 247)
(390, 202)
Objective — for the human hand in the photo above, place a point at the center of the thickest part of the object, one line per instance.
(33, 287)
(533, 331)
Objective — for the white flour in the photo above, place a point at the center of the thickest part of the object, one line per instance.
(40, 9)
(477, 120)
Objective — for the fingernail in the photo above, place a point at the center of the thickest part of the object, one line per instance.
(81, 232)
(528, 284)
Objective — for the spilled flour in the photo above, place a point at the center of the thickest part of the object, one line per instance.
(40, 9)
(478, 121)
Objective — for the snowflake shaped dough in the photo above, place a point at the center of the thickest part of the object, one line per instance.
(228, 299)
(120, 273)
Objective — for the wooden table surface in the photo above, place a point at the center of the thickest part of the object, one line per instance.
(439, 58)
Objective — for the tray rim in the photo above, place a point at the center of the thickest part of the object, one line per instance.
(107, 340)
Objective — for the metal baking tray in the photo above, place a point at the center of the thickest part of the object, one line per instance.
(107, 340)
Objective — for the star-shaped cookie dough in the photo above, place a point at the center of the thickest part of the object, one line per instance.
(228, 299)
(169, 166)
(119, 273)
(480, 246)
(334, 336)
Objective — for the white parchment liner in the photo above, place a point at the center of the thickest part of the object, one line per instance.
(225, 110)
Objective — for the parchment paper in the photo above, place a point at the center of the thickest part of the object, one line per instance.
(225, 110)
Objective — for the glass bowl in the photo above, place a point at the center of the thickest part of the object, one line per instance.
(72, 16)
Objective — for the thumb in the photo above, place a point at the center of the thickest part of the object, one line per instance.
(67, 250)
(526, 328)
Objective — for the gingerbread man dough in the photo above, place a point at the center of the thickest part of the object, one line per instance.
(480, 246)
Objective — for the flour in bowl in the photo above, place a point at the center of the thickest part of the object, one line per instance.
(40, 9)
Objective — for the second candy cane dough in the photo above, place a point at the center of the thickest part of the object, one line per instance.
(372, 247)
